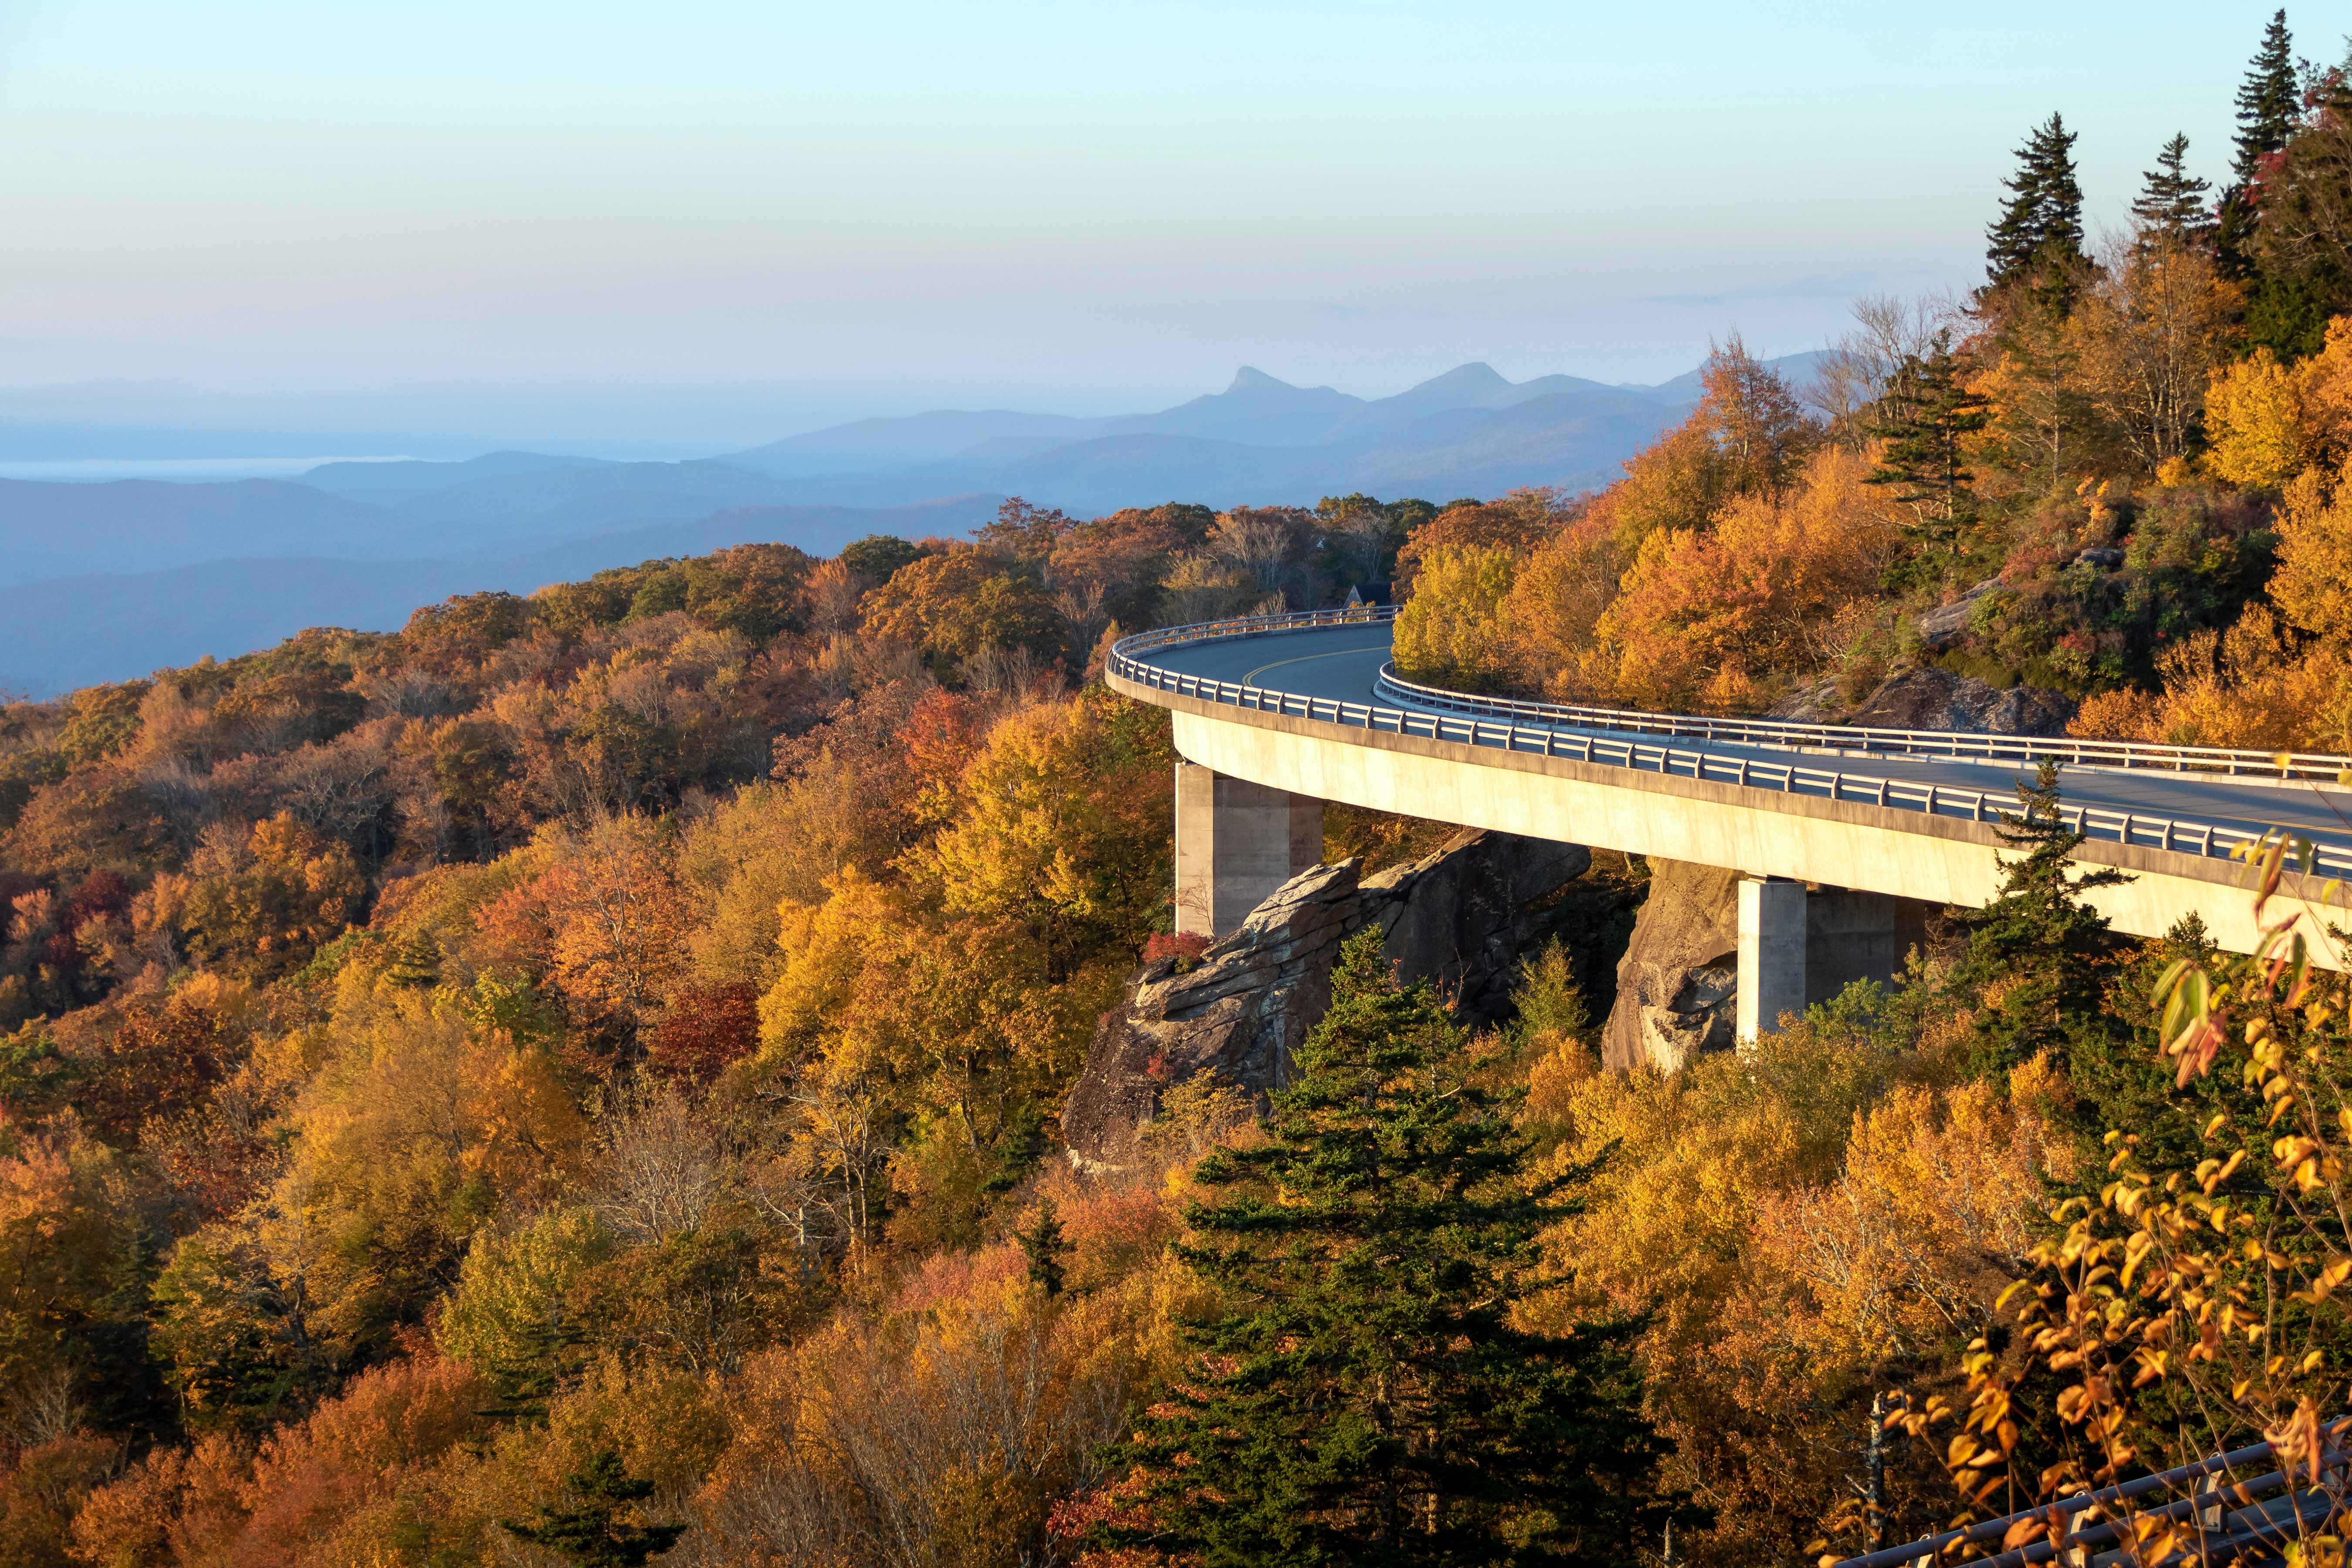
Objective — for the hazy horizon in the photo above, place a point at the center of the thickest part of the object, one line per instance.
(590, 225)
(211, 441)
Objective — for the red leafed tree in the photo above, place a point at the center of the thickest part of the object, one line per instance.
(706, 1027)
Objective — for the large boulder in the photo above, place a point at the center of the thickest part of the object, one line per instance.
(1923, 697)
(1947, 626)
(1678, 984)
(1462, 917)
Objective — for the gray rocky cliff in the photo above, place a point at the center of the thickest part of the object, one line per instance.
(1678, 982)
(1462, 916)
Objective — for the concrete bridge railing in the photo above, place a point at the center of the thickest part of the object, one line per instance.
(1536, 727)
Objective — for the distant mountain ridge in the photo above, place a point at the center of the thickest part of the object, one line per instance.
(224, 567)
(1255, 409)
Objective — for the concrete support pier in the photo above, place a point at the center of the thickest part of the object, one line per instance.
(1236, 842)
(1772, 955)
(1799, 947)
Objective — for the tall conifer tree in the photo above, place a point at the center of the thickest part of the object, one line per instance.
(1922, 421)
(2038, 949)
(1365, 1391)
(2169, 199)
(2038, 238)
(2269, 101)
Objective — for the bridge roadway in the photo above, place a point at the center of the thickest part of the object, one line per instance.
(1681, 810)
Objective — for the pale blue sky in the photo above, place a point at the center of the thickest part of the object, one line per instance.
(1050, 204)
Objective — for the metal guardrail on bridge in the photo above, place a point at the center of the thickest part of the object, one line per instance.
(1464, 723)
(2215, 1515)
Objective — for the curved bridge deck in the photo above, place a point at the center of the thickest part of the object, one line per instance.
(1300, 703)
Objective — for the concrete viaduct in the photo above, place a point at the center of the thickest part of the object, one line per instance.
(1843, 837)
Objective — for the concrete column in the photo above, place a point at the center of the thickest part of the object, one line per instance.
(1236, 842)
(1772, 955)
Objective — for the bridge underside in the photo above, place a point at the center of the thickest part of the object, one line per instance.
(1237, 842)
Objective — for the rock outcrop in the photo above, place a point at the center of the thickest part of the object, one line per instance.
(1462, 917)
(1678, 982)
(1944, 627)
(1925, 697)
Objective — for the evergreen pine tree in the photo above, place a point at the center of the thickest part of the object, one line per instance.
(2038, 238)
(2037, 953)
(598, 1531)
(1364, 1391)
(415, 963)
(2169, 199)
(521, 1385)
(2015, 236)
(2061, 198)
(2269, 101)
(1045, 1246)
(1927, 411)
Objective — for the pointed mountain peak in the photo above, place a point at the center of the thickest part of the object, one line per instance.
(1249, 378)
(1475, 376)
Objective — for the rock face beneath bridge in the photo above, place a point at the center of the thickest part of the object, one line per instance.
(1462, 917)
(1678, 984)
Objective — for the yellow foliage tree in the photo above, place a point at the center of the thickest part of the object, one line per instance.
(2254, 419)
(1453, 630)
(2312, 584)
(1062, 824)
(1792, 1219)
(1932, 1212)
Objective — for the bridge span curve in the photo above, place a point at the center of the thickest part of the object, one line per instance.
(1304, 707)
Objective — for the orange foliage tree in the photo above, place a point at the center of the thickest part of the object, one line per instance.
(1706, 614)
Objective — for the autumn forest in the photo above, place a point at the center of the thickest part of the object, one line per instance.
(580, 1079)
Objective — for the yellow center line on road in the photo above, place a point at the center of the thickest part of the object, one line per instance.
(1251, 679)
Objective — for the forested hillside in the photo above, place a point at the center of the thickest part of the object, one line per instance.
(577, 1080)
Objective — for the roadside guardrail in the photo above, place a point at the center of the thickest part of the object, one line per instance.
(1547, 728)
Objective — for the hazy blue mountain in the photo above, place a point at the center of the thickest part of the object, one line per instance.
(75, 631)
(1261, 440)
(1257, 410)
(408, 477)
(56, 529)
(871, 444)
(1469, 432)
(1539, 441)
(1466, 400)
